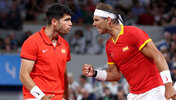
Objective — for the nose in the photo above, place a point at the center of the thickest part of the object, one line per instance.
(70, 24)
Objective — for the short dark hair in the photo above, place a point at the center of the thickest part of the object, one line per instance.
(57, 11)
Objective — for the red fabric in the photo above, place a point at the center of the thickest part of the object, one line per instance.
(140, 71)
(56, 96)
(50, 62)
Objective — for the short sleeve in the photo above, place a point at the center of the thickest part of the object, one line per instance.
(29, 50)
(141, 38)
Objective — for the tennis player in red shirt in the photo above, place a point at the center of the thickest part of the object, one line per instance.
(44, 57)
(131, 52)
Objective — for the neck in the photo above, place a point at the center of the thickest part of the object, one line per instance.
(115, 31)
(51, 33)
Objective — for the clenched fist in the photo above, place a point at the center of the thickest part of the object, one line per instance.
(88, 70)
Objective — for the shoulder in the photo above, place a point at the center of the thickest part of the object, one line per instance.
(33, 39)
(132, 29)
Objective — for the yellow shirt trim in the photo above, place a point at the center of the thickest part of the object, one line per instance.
(110, 63)
(140, 48)
(121, 33)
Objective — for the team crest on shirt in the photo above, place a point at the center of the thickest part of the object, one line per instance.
(125, 48)
(63, 50)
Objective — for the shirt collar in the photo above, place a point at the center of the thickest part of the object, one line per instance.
(121, 33)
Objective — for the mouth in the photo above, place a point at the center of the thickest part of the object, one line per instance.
(98, 29)
(69, 29)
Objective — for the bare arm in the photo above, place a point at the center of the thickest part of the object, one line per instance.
(66, 91)
(26, 68)
(113, 73)
(152, 52)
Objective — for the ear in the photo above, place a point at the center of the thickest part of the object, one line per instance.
(54, 22)
(109, 21)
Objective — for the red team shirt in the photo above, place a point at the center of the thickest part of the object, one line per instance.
(50, 63)
(140, 71)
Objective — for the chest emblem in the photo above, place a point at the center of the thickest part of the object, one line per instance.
(63, 50)
(44, 50)
(125, 48)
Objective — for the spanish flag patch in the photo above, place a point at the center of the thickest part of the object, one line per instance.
(63, 51)
(125, 48)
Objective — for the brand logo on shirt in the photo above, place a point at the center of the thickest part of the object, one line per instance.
(125, 48)
(44, 50)
(37, 93)
(63, 50)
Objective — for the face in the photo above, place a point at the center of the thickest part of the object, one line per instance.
(64, 25)
(100, 24)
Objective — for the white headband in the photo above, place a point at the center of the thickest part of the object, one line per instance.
(105, 14)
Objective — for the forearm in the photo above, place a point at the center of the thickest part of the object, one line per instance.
(113, 75)
(161, 63)
(107, 75)
(27, 81)
(163, 70)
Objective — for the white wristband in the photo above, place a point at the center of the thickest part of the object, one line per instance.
(166, 77)
(36, 92)
(101, 75)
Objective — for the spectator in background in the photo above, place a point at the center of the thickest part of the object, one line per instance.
(164, 50)
(6, 46)
(31, 10)
(137, 9)
(1, 42)
(14, 19)
(121, 94)
(13, 41)
(78, 42)
(172, 48)
(130, 19)
(73, 86)
(166, 41)
(86, 14)
(173, 72)
(77, 13)
(174, 37)
(107, 94)
(146, 18)
(5, 6)
(86, 89)
(24, 37)
(100, 45)
(113, 87)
